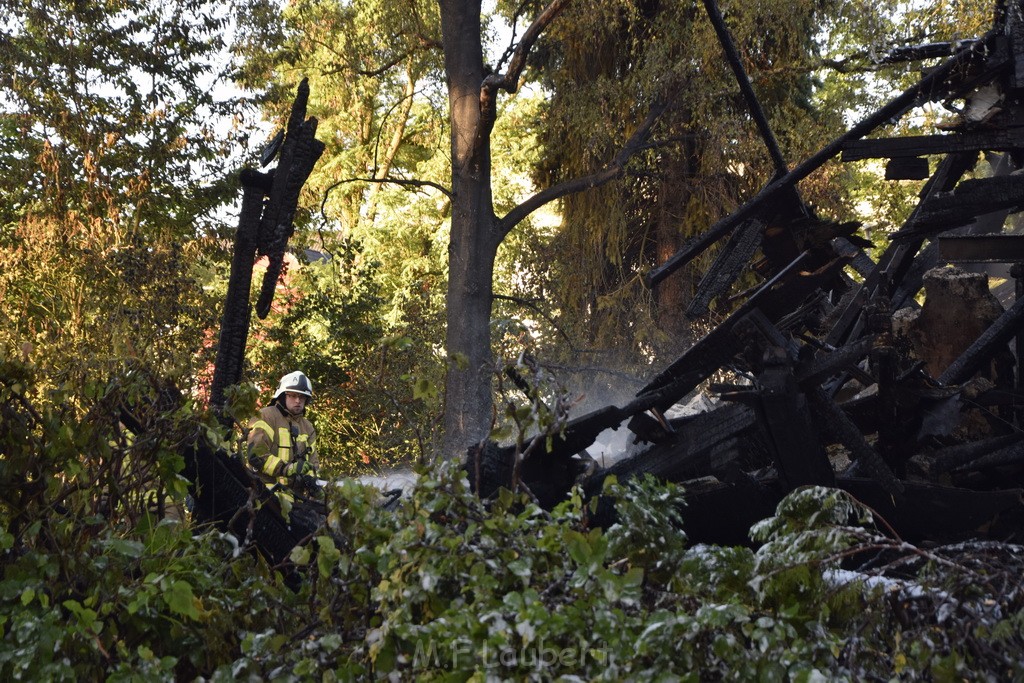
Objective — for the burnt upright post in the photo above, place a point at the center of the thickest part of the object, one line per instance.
(269, 202)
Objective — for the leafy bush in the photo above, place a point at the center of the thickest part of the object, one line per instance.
(94, 581)
(94, 585)
(447, 587)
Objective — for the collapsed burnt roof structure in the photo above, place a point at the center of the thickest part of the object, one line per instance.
(846, 387)
(916, 411)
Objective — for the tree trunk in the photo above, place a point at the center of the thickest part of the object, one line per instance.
(673, 223)
(474, 236)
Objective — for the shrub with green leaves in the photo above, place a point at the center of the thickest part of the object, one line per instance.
(445, 586)
(94, 582)
(448, 587)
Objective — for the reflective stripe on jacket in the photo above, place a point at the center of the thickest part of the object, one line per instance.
(272, 444)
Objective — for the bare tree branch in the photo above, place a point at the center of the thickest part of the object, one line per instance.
(615, 168)
(394, 181)
(509, 81)
(551, 321)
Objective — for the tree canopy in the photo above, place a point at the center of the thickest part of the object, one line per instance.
(561, 97)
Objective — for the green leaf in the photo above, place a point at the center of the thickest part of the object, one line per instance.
(423, 388)
(300, 555)
(181, 600)
(327, 555)
(128, 548)
(578, 547)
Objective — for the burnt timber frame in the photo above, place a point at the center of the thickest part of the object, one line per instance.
(771, 435)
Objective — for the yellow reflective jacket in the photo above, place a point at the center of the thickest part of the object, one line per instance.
(277, 438)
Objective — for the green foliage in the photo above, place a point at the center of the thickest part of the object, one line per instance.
(649, 529)
(98, 577)
(327, 321)
(115, 162)
(448, 587)
(464, 589)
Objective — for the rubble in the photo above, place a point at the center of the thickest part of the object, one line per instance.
(915, 410)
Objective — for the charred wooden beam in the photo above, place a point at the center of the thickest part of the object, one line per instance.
(942, 461)
(299, 154)
(928, 513)
(985, 222)
(757, 331)
(883, 360)
(910, 168)
(228, 494)
(723, 513)
(727, 267)
(1014, 28)
(269, 202)
(753, 104)
(1017, 273)
(912, 146)
(798, 453)
(860, 261)
(827, 364)
(913, 277)
(970, 199)
(842, 429)
(794, 290)
(703, 444)
(981, 248)
(1012, 454)
(547, 475)
(234, 326)
(920, 92)
(914, 53)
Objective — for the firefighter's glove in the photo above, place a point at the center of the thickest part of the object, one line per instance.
(299, 468)
(305, 483)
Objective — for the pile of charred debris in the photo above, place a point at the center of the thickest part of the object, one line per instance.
(844, 378)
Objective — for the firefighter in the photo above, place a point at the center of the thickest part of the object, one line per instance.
(282, 441)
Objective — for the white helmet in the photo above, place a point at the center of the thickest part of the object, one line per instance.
(295, 382)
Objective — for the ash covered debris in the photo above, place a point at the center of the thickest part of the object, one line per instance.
(916, 410)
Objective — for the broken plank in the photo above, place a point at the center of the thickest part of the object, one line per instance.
(927, 513)
(799, 455)
(701, 445)
(826, 364)
(910, 168)
(723, 513)
(997, 140)
(970, 199)
(727, 267)
(939, 462)
(981, 248)
(842, 429)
